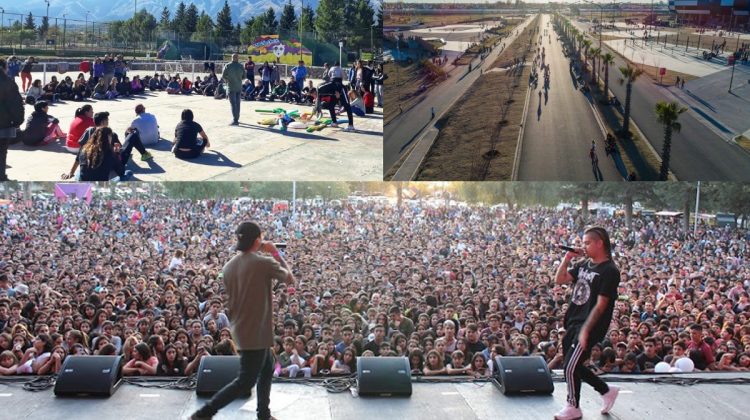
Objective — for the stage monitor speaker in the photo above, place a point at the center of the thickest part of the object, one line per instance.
(384, 376)
(89, 375)
(523, 375)
(214, 372)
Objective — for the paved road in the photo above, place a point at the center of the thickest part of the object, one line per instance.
(560, 125)
(698, 153)
(409, 126)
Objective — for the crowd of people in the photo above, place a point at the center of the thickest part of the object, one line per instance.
(451, 288)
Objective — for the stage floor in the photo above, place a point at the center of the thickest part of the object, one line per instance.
(430, 401)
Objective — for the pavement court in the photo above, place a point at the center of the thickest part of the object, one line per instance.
(248, 152)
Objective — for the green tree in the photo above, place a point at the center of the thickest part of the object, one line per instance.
(44, 27)
(380, 17)
(607, 59)
(224, 22)
(269, 21)
(350, 16)
(191, 19)
(329, 19)
(29, 23)
(364, 21)
(288, 20)
(582, 192)
(247, 36)
(178, 23)
(165, 22)
(667, 114)
(307, 20)
(627, 194)
(731, 197)
(630, 75)
(202, 190)
(674, 195)
(204, 27)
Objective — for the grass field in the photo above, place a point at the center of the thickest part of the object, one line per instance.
(478, 137)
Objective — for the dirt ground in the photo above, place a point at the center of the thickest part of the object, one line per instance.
(478, 137)
(436, 20)
(400, 89)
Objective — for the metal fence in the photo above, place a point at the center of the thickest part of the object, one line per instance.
(192, 68)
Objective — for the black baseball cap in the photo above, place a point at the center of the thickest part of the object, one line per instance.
(247, 233)
(100, 116)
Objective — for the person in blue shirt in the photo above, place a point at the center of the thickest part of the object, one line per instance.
(300, 73)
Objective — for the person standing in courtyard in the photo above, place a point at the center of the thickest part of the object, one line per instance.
(595, 280)
(11, 114)
(233, 74)
(249, 281)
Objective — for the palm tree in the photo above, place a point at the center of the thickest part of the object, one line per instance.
(667, 114)
(630, 75)
(594, 52)
(586, 47)
(607, 59)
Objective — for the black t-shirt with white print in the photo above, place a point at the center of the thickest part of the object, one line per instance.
(589, 281)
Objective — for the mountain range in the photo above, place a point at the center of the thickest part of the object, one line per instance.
(102, 11)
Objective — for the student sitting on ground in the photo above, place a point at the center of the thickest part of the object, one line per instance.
(187, 145)
(356, 103)
(99, 156)
(64, 89)
(49, 93)
(112, 89)
(84, 118)
(80, 91)
(293, 93)
(136, 87)
(307, 98)
(369, 101)
(278, 91)
(173, 88)
(100, 90)
(248, 90)
(186, 87)
(35, 92)
(147, 126)
(124, 88)
(41, 128)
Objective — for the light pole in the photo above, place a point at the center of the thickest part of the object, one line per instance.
(86, 28)
(2, 26)
(65, 28)
(732, 78)
(341, 46)
(47, 1)
(299, 28)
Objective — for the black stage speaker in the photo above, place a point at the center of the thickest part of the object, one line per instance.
(214, 372)
(384, 376)
(523, 375)
(89, 375)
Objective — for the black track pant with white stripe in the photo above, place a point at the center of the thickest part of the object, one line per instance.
(575, 372)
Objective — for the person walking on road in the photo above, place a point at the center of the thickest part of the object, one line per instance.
(249, 281)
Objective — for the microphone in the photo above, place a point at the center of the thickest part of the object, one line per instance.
(568, 248)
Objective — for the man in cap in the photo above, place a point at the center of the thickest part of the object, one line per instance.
(248, 278)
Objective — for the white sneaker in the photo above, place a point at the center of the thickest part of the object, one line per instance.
(349, 128)
(608, 399)
(569, 413)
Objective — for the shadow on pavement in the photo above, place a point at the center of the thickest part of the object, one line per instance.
(300, 134)
(214, 158)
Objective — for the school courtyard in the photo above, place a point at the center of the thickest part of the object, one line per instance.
(248, 152)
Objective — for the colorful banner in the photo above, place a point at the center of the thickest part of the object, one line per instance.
(270, 48)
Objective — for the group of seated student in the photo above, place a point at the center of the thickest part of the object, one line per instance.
(99, 152)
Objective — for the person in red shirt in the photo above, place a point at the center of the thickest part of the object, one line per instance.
(701, 353)
(369, 99)
(84, 119)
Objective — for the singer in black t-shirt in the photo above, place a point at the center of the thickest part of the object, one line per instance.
(595, 280)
